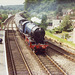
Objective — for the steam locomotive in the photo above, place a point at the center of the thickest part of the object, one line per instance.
(33, 35)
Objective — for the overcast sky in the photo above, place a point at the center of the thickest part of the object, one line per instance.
(11, 2)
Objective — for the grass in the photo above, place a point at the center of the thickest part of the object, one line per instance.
(64, 41)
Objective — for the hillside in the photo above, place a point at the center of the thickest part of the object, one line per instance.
(11, 9)
(15, 7)
(48, 5)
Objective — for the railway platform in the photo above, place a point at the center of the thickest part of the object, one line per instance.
(3, 58)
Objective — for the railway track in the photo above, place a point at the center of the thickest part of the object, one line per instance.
(51, 67)
(28, 53)
(64, 52)
(16, 62)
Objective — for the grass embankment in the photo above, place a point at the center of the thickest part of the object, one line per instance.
(63, 41)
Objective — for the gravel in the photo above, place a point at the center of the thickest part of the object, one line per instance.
(66, 64)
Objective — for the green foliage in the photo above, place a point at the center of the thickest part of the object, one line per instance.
(4, 12)
(56, 30)
(43, 25)
(43, 22)
(39, 5)
(48, 5)
(67, 24)
(59, 1)
(59, 10)
(12, 9)
(66, 36)
(52, 31)
(26, 15)
(69, 43)
(44, 18)
(4, 16)
(29, 3)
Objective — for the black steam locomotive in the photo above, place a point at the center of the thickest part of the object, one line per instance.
(33, 35)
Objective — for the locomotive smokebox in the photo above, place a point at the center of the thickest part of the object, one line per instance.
(39, 34)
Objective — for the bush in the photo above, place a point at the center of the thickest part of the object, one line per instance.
(44, 18)
(66, 36)
(44, 24)
(4, 16)
(67, 24)
(26, 16)
(56, 30)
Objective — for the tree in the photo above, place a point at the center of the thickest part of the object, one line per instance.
(67, 24)
(43, 22)
(4, 16)
(28, 3)
(44, 18)
(59, 10)
(1, 7)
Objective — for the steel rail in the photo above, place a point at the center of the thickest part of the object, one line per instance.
(24, 60)
(13, 66)
(61, 48)
(49, 73)
(66, 55)
(56, 64)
